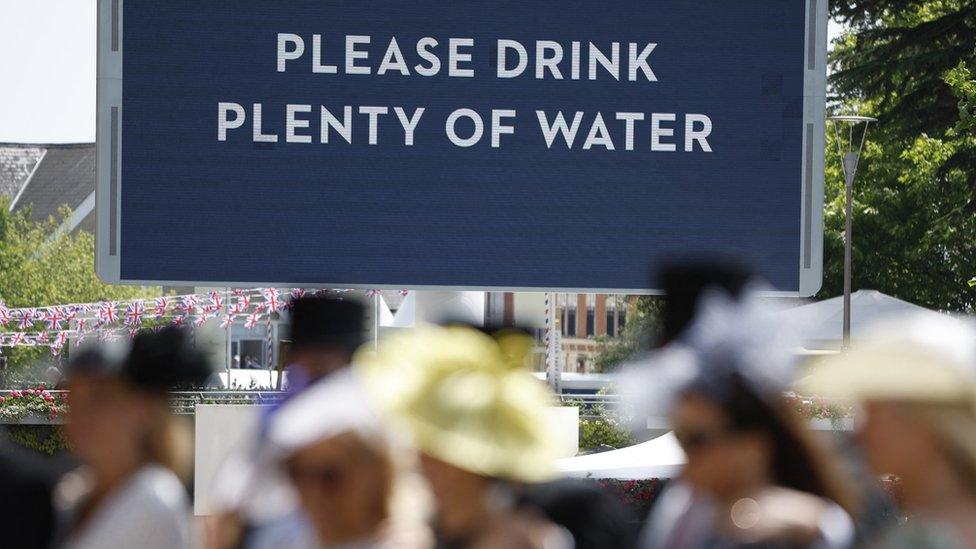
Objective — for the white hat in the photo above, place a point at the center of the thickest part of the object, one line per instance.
(332, 406)
(923, 358)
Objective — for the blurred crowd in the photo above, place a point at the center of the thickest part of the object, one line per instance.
(438, 438)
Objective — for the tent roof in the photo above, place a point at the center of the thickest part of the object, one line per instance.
(822, 321)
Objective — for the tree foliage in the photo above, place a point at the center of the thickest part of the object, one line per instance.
(41, 266)
(908, 63)
(643, 323)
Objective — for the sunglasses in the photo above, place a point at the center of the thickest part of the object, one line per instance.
(692, 439)
(323, 477)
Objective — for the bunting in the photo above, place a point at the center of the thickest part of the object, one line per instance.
(58, 326)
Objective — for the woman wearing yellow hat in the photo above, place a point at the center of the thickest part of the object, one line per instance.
(477, 420)
(916, 381)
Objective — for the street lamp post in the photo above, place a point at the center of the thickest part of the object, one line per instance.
(849, 160)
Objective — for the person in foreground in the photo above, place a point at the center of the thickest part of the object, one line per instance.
(128, 493)
(341, 463)
(251, 496)
(754, 476)
(916, 381)
(478, 420)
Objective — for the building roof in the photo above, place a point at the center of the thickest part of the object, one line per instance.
(16, 162)
(65, 175)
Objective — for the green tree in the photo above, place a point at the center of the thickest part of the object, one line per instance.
(962, 81)
(643, 323)
(41, 266)
(908, 63)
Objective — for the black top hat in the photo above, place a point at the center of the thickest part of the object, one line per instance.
(165, 359)
(102, 359)
(154, 360)
(319, 321)
(684, 281)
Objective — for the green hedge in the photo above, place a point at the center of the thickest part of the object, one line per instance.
(603, 431)
(46, 439)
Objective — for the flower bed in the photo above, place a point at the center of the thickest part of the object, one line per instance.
(820, 408)
(639, 495)
(36, 405)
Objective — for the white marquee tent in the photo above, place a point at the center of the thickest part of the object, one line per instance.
(821, 323)
(661, 457)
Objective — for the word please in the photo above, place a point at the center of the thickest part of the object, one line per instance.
(550, 60)
(466, 127)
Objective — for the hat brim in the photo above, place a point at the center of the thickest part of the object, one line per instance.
(891, 372)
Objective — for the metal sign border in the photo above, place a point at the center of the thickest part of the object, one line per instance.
(108, 169)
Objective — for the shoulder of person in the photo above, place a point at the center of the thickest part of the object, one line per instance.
(525, 531)
(154, 483)
(784, 514)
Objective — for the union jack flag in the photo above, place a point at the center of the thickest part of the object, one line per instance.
(240, 306)
(226, 321)
(27, 341)
(4, 314)
(404, 292)
(239, 291)
(200, 320)
(216, 300)
(41, 338)
(188, 302)
(179, 320)
(106, 312)
(27, 318)
(208, 312)
(70, 313)
(133, 314)
(53, 318)
(372, 293)
(252, 320)
(272, 299)
(161, 305)
(16, 339)
(59, 342)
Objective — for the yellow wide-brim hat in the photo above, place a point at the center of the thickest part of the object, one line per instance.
(925, 358)
(466, 399)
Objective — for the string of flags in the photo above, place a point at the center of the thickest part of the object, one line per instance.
(54, 326)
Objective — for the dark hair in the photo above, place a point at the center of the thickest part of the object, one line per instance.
(326, 322)
(164, 360)
(685, 280)
(798, 461)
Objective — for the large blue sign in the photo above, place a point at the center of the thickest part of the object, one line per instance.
(505, 144)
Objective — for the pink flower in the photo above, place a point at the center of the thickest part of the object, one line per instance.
(2, 399)
(16, 394)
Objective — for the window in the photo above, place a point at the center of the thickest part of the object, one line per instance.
(569, 328)
(590, 324)
(610, 323)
